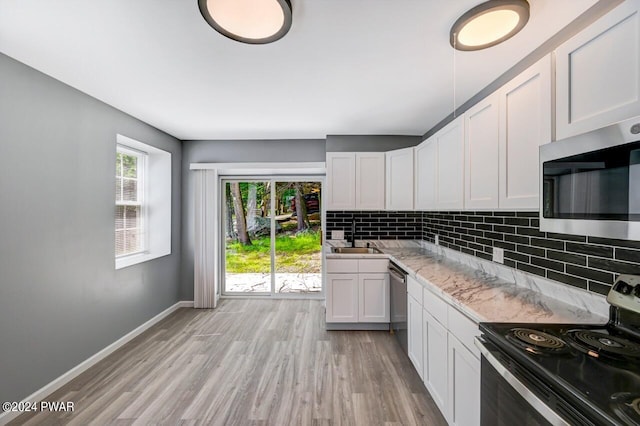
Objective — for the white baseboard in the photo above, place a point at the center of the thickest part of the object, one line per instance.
(62, 380)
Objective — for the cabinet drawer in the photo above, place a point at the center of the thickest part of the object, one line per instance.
(373, 266)
(342, 266)
(464, 330)
(436, 307)
(414, 288)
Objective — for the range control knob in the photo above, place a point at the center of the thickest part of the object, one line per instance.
(624, 288)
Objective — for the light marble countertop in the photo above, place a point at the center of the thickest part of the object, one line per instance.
(480, 296)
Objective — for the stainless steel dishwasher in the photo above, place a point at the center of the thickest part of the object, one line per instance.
(398, 326)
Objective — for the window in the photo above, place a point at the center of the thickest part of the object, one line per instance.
(130, 199)
(142, 202)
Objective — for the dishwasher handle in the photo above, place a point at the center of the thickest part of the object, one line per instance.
(398, 275)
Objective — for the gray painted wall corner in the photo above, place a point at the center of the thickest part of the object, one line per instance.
(62, 300)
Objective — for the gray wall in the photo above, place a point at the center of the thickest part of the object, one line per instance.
(237, 151)
(61, 299)
(370, 143)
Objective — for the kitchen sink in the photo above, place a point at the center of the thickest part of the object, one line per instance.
(355, 250)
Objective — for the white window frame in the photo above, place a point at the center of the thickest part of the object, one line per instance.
(156, 202)
(141, 196)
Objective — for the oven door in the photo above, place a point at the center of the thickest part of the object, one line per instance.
(505, 399)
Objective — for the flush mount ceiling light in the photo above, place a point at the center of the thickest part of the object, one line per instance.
(489, 24)
(248, 21)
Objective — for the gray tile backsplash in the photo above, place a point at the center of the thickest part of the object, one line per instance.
(589, 263)
(586, 262)
(387, 225)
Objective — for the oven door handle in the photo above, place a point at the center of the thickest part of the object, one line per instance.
(520, 388)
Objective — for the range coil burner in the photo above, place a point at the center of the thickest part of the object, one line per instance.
(537, 341)
(596, 344)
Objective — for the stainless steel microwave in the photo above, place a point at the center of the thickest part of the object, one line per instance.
(590, 184)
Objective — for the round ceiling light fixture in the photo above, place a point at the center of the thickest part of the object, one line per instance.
(248, 21)
(488, 24)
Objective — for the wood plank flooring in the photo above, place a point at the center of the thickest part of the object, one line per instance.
(249, 362)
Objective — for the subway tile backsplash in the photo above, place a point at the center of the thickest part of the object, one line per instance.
(586, 262)
(589, 263)
(383, 225)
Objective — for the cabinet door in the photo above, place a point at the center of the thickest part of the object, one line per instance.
(450, 166)
(373, 298)
(525, 124)
(425, 171)
(434, 355)
(414, 326)
(464, 385)
(341, 181)
(598, 73)
(481, 154)
(399, 188)
(342, 298)
(370, 179)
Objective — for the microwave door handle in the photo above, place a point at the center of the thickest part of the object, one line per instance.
(520, 388)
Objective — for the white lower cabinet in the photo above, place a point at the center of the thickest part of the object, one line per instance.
(464, 385)
(414, 326)
(342, 297)
(451, 368)
(357, 291)
(434, 355)
(373, 298)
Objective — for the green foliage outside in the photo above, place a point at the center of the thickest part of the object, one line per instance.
(294, 253)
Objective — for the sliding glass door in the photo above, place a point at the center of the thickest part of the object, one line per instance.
(247, 233)
(298, 248)
(272, 236)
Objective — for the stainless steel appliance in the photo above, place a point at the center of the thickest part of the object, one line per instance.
(563, 374)
(590, 184)
(398, 312)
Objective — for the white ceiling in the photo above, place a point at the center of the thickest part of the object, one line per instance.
(346, 66)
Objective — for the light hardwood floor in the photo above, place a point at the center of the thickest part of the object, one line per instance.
(249, 362)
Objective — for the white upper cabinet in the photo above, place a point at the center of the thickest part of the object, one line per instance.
(370, 178)
(525, 124)
(598, 73)
(450, 166)
(399, 188)
(481, 154)
(341, 181)
(425, 157)
(355, 181)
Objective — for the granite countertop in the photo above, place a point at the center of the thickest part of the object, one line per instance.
(480, 296)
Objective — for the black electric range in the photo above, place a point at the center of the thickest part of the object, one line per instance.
(562, 374)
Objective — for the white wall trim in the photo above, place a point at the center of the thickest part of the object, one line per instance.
(65, 378)
(240, 169)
